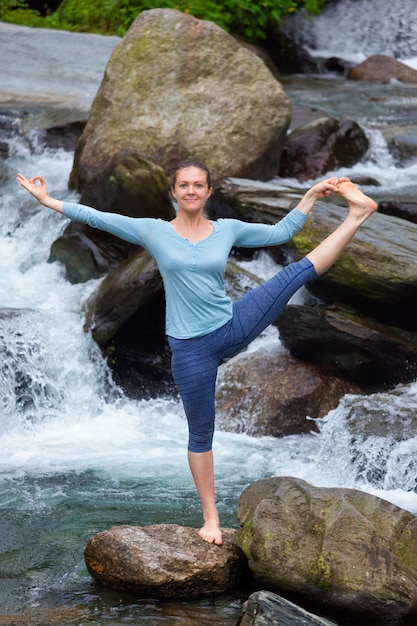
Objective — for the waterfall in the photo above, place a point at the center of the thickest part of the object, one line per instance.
(357, 29)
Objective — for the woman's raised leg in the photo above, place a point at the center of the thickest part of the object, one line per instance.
(360, 208)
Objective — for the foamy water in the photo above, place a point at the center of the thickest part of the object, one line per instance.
(356, 29)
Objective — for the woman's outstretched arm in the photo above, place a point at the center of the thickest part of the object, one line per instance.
(37, 187)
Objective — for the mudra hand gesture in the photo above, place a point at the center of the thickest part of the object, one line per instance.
(38, 188)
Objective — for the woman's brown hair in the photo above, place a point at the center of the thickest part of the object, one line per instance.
(190, 163)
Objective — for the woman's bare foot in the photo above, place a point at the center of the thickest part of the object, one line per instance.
(211, 532)
(360, 205)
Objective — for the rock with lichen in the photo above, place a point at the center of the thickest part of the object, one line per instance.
(342, 549)
(176, 87)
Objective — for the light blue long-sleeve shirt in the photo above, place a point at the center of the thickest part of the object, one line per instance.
(193, 274)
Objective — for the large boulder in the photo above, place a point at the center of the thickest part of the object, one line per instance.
(164, 561)
(342, 549)
(376, 274)
(267, 392)
(177, 87)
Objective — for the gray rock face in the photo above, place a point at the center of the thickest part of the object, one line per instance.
(176, 87)
(336, 547)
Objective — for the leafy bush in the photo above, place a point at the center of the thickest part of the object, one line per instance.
(15, 11)
(247, 18)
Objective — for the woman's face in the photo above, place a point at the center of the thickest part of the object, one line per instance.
(191, 189)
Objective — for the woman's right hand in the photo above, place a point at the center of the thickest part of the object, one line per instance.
(35, 186)
(38, 188)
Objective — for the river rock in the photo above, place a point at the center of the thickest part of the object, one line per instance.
(360, 348)
(320, 146)
(267, 392)
(176, 87)
(407, 210)
(376, 274)
(264, 608)
(342, 549)
(383, 68)
(164, 561)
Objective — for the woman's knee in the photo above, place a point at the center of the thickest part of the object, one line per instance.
(200, 417)
(200, 441)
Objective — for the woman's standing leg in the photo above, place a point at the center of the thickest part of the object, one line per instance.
(202, 469)
(194, 367)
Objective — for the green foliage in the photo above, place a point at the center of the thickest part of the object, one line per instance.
(9, 5)
(250, 19)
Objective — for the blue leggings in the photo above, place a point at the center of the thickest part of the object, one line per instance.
(195, 361)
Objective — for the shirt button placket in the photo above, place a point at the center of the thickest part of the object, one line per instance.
(194, 257)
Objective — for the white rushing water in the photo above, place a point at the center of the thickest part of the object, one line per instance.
(61, 413)
(356, 29)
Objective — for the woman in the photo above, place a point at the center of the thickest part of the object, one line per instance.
(202, 324)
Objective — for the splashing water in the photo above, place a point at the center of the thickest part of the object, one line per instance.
(357, 29)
